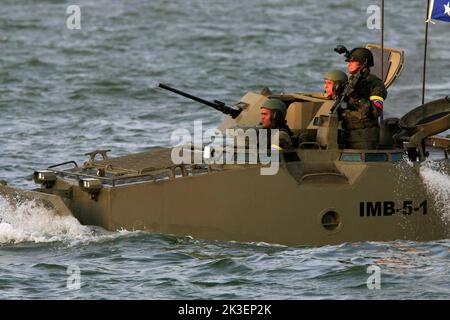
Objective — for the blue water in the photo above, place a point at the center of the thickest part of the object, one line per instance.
(66, 92)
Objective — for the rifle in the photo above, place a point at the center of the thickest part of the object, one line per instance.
(216, 104)
(341, 102)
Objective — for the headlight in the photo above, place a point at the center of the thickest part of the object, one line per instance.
(45, 177)
(91, 186)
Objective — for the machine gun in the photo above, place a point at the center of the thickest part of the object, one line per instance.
(216, 104)
(341, 102)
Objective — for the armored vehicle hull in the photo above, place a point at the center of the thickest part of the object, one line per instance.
(328, 197)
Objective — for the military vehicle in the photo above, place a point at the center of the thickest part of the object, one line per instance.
(327, 195)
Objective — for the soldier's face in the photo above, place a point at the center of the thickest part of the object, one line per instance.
(328, 88)
(265, 118)
(353, 66)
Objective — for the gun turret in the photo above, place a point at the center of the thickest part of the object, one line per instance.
(216, 104)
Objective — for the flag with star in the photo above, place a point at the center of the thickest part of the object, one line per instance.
(439, 10)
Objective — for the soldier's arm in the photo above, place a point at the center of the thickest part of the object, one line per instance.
(284, 141)
(378, 94)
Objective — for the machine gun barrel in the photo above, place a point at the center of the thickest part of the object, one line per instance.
(218, 105)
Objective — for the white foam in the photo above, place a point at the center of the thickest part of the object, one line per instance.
(30, 222)
(437, 181)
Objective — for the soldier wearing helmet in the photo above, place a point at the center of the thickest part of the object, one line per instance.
(335, 81)
(365, 103)
(273, 114)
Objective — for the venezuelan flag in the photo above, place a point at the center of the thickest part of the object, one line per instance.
(377, 101)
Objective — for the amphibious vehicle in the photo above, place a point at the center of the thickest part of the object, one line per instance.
(325, 195)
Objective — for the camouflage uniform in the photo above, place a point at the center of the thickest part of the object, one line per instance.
(360, 119)
(284, 140)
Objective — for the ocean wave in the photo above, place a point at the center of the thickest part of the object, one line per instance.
(437, 181)
(29, 221)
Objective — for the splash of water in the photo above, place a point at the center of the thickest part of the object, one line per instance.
(437, 181)
(30, 222)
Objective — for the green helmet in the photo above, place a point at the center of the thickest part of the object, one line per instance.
(275, 104)
(360, 54)
(336, 75)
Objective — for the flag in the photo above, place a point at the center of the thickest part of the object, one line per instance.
(377, 101)
(439, 10)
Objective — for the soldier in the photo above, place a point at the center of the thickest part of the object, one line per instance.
(273, 114)
(365, 103)
(335, 81)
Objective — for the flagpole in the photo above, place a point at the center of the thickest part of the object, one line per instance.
(382, 45)
(425, 52)
(382, 39)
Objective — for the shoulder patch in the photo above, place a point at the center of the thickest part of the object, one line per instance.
(377, 101)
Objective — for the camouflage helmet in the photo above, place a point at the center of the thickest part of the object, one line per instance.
(336, 75)
(275, 104)
(361, 55)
